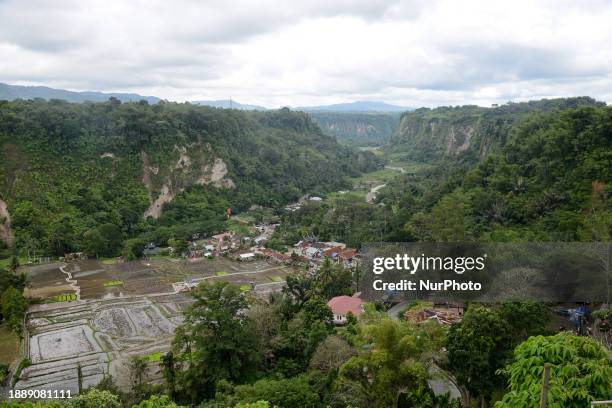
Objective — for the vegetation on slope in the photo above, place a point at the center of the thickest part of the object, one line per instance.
(358, 129)
(467, 133)
(72, 174)
(550, 181)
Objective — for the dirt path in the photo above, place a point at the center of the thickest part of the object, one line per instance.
(400, 169)
(372, 193)
(72, 282)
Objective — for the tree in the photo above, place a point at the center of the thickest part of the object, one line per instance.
(14, 265)
(13, 308)
(524, 319)
(289, 392)
(447, 219)
(581, 372)
(333, 280)
(157, 402)
(392, 369)
(330, 354)
(138, 369)
(94, 243)
(94, 399)
(477, 347)
(168, 367)
(217, 335)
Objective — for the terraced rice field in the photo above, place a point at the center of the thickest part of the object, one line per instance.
(123, 310)
(99, 336)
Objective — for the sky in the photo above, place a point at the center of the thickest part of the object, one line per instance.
(298, 53)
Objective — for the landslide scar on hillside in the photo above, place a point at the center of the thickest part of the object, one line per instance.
(214, 173)
(6, 234)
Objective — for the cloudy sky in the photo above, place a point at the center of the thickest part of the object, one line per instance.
(274, 53)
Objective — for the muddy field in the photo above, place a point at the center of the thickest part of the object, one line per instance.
(99, 336)
(106, 281)
(122, 310)
(47, 281)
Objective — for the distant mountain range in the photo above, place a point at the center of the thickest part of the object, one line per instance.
(10, 92)
(227, 104)
(358, 106)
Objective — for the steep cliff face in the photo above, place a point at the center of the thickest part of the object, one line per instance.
(471, 132)
(190, 166)
(68, 169)
(358, 129)
(6, 234)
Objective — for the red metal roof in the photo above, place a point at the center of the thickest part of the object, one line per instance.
(341, 305)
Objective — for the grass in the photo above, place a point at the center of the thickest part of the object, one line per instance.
(9, 345)
(155, 356)
(221, 273)
(245, 288)
(238, 227)
(354, 194)
(5, 263)
(66, 297)
(276, 279)
(115, 282)
(108, 261)
(382, 175)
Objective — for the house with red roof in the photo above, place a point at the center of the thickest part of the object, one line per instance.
(341, 305)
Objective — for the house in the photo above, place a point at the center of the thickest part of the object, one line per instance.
(347, 257)
(247, 256)
(341, 305)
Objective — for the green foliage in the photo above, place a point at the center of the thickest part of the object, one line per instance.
(94, 399)
(157, 402)
(13, 306)
(481, 343)
(581, 372)
(284, 393)
(358, 129)
(216, 338)
(72, 174)
(468, 132)
(549, 181)
(392, 369)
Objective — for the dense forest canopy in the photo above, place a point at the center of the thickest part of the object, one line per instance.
(470, 132)
(69, 169)
(549, 181)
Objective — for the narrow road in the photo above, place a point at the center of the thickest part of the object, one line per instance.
(400, 169)
(372, 193)
(393, 311)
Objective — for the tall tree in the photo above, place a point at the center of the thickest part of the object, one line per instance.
(219, 334)
(581, 372)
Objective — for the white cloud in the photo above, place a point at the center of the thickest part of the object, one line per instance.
(300, 53)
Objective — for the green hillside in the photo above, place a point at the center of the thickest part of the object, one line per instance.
(467, 132)
(358, 129)
(72, 172)
(549, 181)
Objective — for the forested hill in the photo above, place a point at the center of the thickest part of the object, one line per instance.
(70, 173)
(467, 132)
(358, 128)
(12, 92)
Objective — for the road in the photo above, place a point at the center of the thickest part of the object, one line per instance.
(372, 193)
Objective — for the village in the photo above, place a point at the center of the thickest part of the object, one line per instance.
(92, 315)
